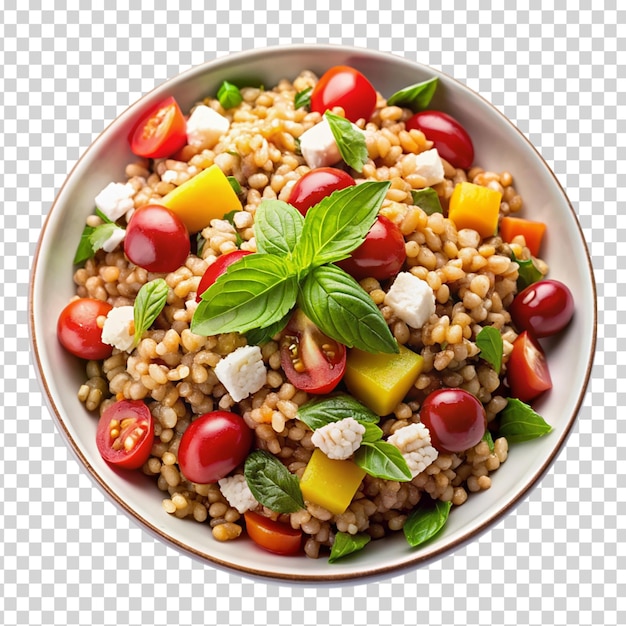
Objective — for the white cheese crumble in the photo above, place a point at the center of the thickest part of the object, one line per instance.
(115, 200)
(205, 126)
(428, 165)
(116, 238)
(242, 372)
(235, 489)
(413, 441)
(411, 299)
(318, 145)
(339, 440)
(117, 326)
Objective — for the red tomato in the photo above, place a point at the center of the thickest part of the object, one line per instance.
(156, 239)
(213, 445)
(217, 268)
(78, 330)
(271, 535)
(449, 137)
(527, 369)
(160, 133)
(316, 185)
(380, 256)
(544, 308)
(311, 361)
(345, 87)
(455, 418)
(125, 434)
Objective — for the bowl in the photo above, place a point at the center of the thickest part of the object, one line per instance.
(498, 146)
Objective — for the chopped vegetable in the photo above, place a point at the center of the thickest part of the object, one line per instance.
(476, 207)
(511, 227)
(229, 95)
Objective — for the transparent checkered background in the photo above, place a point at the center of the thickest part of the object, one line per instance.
(68, 556)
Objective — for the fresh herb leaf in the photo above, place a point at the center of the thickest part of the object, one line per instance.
(489, 340)
(427, 199)
(382, 460)
(323, 410)
(229, 95)
(425, 521)
(94, 237)
(200, 243)
(342, 310)
(303, 98)
(528, 272)
(259, 336)
(489, 439)
(84, 250)
(148, 305)
(350, 141)
(519, 422)
(272, 484)
(277, 227)
(101, 234)
(230, 218)
(346, 544)
(234, 183)
(415, 97)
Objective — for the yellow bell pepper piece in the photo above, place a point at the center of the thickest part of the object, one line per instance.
(476, 207)
(206, 196)
(330, 483)
(380, 381)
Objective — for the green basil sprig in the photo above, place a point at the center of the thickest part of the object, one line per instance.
(324, 410)
(229, 95)
(427, 199)
(148, 304)
(489, 340)
(346, 544)
(303, 98)
(94, 237)
(382, 460)
(528, 272)
(519, 422)
(425, 521)
(350, 141)
(415, 97)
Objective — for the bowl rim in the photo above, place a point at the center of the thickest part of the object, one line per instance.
(415, 560)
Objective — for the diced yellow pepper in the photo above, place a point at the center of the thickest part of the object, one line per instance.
(330, 483)
(206, 196)
(476, 207)
(380, 381)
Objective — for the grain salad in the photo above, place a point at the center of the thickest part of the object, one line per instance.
(320, 468)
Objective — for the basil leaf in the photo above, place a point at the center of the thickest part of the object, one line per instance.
(148, 304)
(338, 224)
(345, 544)
(372, 432)
(528, 272)
(489, 439)
(425, 521)
(350, 140)
(105, 218)
(229, 95)
(101, 234)
(341, 309)
(255, 292)
(259, 336)
(519, 422)
(382, 460)
(84, 249)
(230, 218)
(324, 410)
(234, 183)
(489, 340)
(415, 97)
(303, 98)
(427, 200)
(277, 227)
(272, 484)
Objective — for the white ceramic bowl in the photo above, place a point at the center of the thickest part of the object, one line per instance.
(498, 145)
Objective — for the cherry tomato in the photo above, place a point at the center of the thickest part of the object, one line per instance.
(544, 308)
(217, 268)
(455, 418)
(213, 445)
(316, 185)
(78, 329)
(312, 361)
(160, 133)
(156, 239)
(125, 434)
(527, 369)
(347, 88)
(272, 535)
(380, 256)
(449, 137)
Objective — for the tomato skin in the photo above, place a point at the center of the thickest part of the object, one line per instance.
(311, 361)
(140, 430)
(450, 138)
(213, 445)
(156, 239)
(272, 535)
(381, 255)
(316, 185)
(528, 375)
(455, 418)
(544, 308)
(217, 268)
(161, 132)
(345, 87)
(78, 330)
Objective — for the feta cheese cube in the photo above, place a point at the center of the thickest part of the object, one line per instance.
(414, 444)
(318, 145)
(428, 165)
(205, 126)
(117, 236)
(411, 299)
(235, 489)
(339, 440)
(242, 372)
(115, 200)
(117, 326)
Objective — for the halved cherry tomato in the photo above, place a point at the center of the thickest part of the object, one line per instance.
(527, 369)
(78, 330)
(160, 133)
(217, 268)
(125, 434)
(311, 361)
(449, 137)
(272, 535)
(345, 87)
(455, 418)
(380, 256)
(316, 185)
(213, 445)
(156, 239)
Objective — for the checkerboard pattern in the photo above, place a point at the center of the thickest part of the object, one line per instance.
(66, 72)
